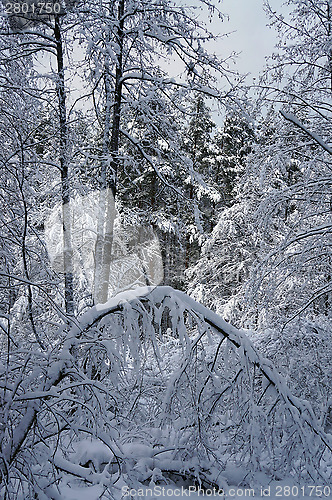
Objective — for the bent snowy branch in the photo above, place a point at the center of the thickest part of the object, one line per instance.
(153, 358)
(291, 118)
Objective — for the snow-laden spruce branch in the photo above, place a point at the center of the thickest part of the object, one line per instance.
(150, 161)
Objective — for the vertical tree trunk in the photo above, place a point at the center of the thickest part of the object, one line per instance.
(109, 168)
(103, 194)
(65, 192)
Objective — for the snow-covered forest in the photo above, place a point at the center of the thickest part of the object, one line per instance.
(165, 253)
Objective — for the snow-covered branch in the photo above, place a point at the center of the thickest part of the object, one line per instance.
(132, 360)
(291, 118)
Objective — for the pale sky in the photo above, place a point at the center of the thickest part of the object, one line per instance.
(252, 38)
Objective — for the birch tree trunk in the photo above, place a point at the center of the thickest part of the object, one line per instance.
(109, 168)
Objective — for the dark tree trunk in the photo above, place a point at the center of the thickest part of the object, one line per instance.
(65, 187)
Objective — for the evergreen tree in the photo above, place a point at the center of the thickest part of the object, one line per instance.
(223, 267)
(197, 137)
(197, 143)
(233, 143)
